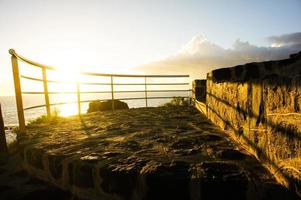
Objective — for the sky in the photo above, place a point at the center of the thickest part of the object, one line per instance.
(128, 36)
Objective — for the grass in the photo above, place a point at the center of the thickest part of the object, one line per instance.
(55, 116)
(178, 101)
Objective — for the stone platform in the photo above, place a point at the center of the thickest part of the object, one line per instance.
(145, 153)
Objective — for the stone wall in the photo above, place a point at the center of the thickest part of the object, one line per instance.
(259, 105)
(199, 95)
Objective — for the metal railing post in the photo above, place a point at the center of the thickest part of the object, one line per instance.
(3, 144)
(18, 92)
(145, 91)
(78, 97)
(46, 94)
(112, 92)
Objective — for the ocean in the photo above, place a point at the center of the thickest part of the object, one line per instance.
(9, 109)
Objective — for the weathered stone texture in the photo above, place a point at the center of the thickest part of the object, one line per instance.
(146, 153)
(199, 95)
(199, 90)
(259, 104)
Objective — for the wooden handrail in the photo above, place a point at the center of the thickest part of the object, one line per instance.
(135, 76)
(87, 101)
(36, 64)
(46, 93)
(106, 92)
(13, 53)
(112, 83)
(18, 93)
(96, 83)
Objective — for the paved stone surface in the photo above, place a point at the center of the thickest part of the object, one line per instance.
(17, 184)
(145, 153)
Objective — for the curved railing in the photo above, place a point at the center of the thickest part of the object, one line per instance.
(18, 91)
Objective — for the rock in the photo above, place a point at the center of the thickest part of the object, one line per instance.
(5, 188)
(47, 194)
(167, 182)
(118, 182)
(34, 157)
(55, 165)
(211, 137)
(184, 143)
(81, 175)
(231, 154)
(106, 105)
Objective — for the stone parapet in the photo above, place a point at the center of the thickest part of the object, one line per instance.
(258, 104)
(199, 95)
(199, 90)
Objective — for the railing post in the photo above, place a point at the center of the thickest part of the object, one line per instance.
(18, 92)
(78, 97)
(3, 145)
(145, 91)
(112, 92)
(46, 94)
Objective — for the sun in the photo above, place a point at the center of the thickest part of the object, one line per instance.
(68, 110)
(66, 86)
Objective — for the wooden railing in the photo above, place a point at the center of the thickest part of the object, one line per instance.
(44, 68)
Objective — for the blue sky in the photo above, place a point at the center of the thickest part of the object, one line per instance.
(115, 36)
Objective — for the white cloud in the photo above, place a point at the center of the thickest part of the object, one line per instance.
(200, 46)
(287, 39)
(200, 56)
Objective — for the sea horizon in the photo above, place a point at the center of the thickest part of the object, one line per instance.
(9, 108)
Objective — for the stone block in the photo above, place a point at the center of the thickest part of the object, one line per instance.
(34, 157)
(261, 102)
(199, 90)
(80, 174)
